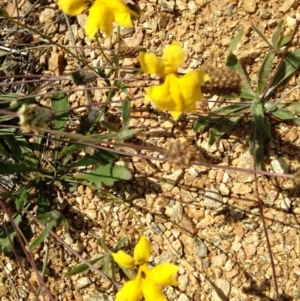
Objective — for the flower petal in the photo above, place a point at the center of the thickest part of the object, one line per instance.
(142, 251)
(131, 290)
(72, 7)
(160, 95)
(172, 57)
(164, 273)
(152, 291)
(122, 14)
(151, 64)
(100, 17)
(123, 259)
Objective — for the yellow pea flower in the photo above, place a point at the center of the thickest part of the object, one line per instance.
(173, 56)
(147, 283)
(176, 94)
(102, 14)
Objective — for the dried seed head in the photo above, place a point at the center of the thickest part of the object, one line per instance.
(181, 154)
(223, 82)
(33, 117)
(130, 52)
(83, 77)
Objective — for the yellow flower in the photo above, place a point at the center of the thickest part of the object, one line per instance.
(173, 56)
(176, 94)
(147, 282)
(102, 14)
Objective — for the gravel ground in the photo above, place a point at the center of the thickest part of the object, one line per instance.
(206, 220)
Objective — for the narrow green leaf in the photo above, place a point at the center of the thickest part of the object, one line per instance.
(99, 158)
(107, 174)
(265, 71)
(261, 122)
(259, 150)
(5, 238)
(21, 199)
(276, 35)
(262, 36)
(108, 262)
(230, 109)
(201, 123)
(109, 126)
(283, 114)
(21, 150)
(235, 41)
(61, 107)
(83, 267)
(11, 168)
(126, 134)
(126, 109)
(120, 243)
(73, 148)
(42, 236)
(233, 64)
(284, 40)
(222, 127)
(290, 65)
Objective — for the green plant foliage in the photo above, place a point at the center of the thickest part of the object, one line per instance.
(290, 65)
(265, 71)
(105, 174)
(261, 122)
(6, 239)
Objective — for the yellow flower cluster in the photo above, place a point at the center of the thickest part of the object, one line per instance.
(102, 14)
(147, 283)
(176, 94)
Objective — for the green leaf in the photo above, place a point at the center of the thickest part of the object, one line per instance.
(284, 40)
(83, 267)
(259, 150)
(222, 127)
(109, 126)
(201, 123)
(233, 64)
(126, 109)
(5, 238)
(291, 64)
(11, 168)
(120, 243)
(42, 236)
(105, 174)
(99, 158)
(73, 148)
(21, 199)
(265, 71)
(60, 105)
(261, 122)
(283, 114)
(262, 36)
(108, 263)
(235, 41)
(276, 34)
(230, 109)
(21, 150)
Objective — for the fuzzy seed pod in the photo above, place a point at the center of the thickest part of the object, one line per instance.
(223, 82)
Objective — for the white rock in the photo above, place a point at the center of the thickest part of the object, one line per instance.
(291, 22)
(82, 282)
(213, 199)
(193, 7)
(46, 15)
(175, 212)
(279, 165)
(286, 204)
(183, 297)
(245, 161)
(221, 290)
